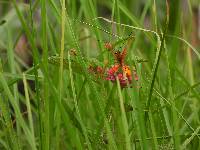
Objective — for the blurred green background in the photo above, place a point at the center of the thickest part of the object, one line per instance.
(45, 104)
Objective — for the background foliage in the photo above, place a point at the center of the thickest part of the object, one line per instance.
(47, 103)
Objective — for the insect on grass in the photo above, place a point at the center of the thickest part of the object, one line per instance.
(107, 70)
(119, 69)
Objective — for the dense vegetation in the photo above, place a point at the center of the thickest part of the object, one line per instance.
(91, 74)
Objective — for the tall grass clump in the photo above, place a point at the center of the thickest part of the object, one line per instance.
(90, 74)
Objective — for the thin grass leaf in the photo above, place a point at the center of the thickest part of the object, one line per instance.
(28, 105)
(19, 117)
(153, 130)
(123, 117)
(187, 43)
(60, 85)
(76, 105)
(45, 82)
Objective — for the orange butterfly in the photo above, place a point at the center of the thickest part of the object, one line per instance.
(119, 69)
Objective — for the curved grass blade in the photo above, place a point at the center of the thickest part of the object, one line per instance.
(187, 43)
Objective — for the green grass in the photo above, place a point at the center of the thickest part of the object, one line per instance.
(57, 103)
